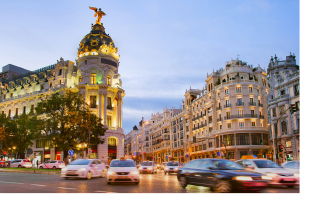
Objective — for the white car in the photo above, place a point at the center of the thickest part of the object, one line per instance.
(123, 170)
(271, 171)
(163, 165)
(53, 164)
(21, 163)
(84, 168)
(293, 166)
(148, 166)
(171, 167)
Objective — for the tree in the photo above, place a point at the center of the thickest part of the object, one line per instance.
(65, 121)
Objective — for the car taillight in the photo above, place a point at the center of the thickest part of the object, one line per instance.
(59, 164)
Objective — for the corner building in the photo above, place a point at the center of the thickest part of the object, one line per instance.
(95, 75)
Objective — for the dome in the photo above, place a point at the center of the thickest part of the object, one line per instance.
(94, 40)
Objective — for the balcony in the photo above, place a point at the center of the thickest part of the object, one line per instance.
(218, 108)
(241, 116)
(252, 104)
(109, 107)
(260, 105)
(219, 119)
(261, 116)
(296, 131)
(240, 104)
(227, 105)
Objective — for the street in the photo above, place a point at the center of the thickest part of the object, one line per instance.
(149, 183)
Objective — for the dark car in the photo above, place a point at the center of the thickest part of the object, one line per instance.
(219, 174)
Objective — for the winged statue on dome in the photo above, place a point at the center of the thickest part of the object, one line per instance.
(98, 13)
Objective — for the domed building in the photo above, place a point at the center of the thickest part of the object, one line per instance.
(95, 75)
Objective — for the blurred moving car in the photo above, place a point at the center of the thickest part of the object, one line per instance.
(293, 166)
(148, 166)
(271, 171)
(53, 164)
(219, 174)
(21, 163)
(3, 164)
(84, 168)
(171, 167)
(157, 164)
(123, 170)
(163, 165)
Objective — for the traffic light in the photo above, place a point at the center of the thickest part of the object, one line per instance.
(293, 108)
(261, 141)
(280, 148)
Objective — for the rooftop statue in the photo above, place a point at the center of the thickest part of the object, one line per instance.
(98, 13)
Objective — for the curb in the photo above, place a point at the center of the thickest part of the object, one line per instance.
(32, 171)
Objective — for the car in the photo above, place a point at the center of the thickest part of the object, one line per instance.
(157, 164)
(123, 170)
(293, 166)
(163, 165)
(171, 167)
(21, 163)
(53, 164)
(148, 166)
(3, 164)
(271, 171)
(84, 168)
(219, 174)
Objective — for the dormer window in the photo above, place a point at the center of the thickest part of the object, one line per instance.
(60, 72)
(108, 80)
(93, 78)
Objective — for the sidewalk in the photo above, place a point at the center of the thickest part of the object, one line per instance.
(33, 171)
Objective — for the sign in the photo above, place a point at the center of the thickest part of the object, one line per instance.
(166, 156)
(187, 156)
(218, 153)
(71, 152)
(89, 151)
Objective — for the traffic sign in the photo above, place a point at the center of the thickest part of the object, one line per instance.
(89, 151)
(71, 152)
(166, 156)
(187, 156)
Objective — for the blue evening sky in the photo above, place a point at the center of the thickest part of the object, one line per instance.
(165, 46)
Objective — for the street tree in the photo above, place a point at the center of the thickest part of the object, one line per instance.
(65, 121)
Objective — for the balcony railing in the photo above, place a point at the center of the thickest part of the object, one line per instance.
(219, 107)
(240, 104)
(219, 119)
(252, 103)
(296, 131)
(109, 107)
(261, 116)
(241, 116)
(227, 105)
(260, 105)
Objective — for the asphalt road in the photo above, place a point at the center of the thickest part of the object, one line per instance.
(149, 183)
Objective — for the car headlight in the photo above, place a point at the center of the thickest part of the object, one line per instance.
(176, 168)
(242, 178)
(165, 168)
(111, 173)
(64, 169)
(140, 168)
(264, 177)
(134, 173)
(296, 174)
(149, 168)
(271, 174)
(82, 169)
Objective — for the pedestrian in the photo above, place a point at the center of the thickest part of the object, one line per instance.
(37, 164)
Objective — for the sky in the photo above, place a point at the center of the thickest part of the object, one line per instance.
(165, 47)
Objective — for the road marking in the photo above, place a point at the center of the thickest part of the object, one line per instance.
(65, 188)
(37, 185)
(10, 182)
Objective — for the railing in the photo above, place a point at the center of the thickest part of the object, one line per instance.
(240, 104)
(260, 105)
(261, 116)
(219, 107)
(285, 96)
(296, 131)
(219, 119)
(252, 103)
(241, 116)
(227, 105)
(109, 107)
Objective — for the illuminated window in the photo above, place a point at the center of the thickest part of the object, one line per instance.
(241, 124)
(93, 78)
(253, 123)
(229, 125)
(60, 82)
(20, 82)
(93, 101)
(238, 89)
(80, 78)
(108, 80)
(60, 72)
(250, 89)
(112, 141)
(28, 80)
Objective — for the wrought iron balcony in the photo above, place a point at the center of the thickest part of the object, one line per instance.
(227, 105)
(240, 104)
(252, 103)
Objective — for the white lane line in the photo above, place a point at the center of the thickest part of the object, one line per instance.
(65, 188)
(37, 185)
(10, 182)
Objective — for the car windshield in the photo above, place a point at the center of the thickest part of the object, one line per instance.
(226, 165)
(173, 164)
(146, 164)
(266, 164)
(120, 163)
(80, 162)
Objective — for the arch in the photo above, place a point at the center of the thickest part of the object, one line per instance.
(113, 141)
(284, 127)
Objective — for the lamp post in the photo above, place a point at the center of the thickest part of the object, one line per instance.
(88, 103)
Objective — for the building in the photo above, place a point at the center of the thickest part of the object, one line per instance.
(95, 75)
(284, 91)
(227, 118)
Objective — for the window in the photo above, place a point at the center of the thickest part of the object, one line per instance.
(284, 127)
(251, 101)
(227, 103)
(4, 96)
(220, 126)
(298, 105)
(288, 143)
(228, 115)
(282, 109)
(252, 113)
(11, 95)
(239, 101)
(231, 155)
(80, 78)
(93, 101)
(243, 153)
(226, 91)
(32, 108)
(210, 144)
(50, 84)
(274, 112)
(108, 80)
(283, 92)
(24, 110)
(112, 142)
(250, 89)
(218, 93)
(17, 111)
(241, 124)
(258, 90)
(9, 113)
(210, 109)
(93, 78)
(210, 119)
(296, 89)
(240, 113)
(85, 62)
(42, 86)
(253, 123)
(229, 125)
(238, 89)
(60, 81)
(109, 118)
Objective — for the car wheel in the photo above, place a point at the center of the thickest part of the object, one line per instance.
(223, 186)
(19, 166)
(109, 183)
(103, 173)
(40, 167)
(183, 182)
(54, 168)
(89, 175)
(291, 186)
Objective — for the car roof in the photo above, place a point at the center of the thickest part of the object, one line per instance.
(123, 159)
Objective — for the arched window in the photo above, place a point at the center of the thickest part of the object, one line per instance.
(112, 142)
(284, 127)
(108, 80)
(93, 78)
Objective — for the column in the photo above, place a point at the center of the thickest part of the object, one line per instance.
(105, 108)
(118, 113)
(100, 108)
